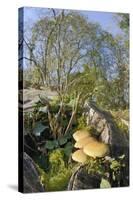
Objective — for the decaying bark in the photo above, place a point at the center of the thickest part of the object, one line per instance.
(82, 180)
(107, 130)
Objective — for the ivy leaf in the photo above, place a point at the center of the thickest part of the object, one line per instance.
(51, 144)
(68, 148)
(105, 184)
(56, 144)
(62, 140)
(39, 128)
(68, 136)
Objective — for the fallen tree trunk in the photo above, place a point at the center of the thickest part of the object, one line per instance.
(108, 132)
(82, 180)
(107, 129)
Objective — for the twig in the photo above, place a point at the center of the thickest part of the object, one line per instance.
(30, 148)
(73, 114)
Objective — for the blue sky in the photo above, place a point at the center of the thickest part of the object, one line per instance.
(105, 19)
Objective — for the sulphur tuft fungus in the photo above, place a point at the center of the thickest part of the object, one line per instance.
(79, 156)
(96, 149)
(80, 134)
(84, 141)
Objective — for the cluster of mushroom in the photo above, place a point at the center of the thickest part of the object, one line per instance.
(87, 146)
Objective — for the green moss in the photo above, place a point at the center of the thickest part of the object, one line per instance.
(59, 173)
(82, 123)
(122, 126)
(43, 177)
(107, 168)
(56, 161)
(119, 118)
(95, 166)
(60, 181)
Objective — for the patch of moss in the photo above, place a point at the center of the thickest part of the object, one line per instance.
(43, 177)
(59, 172)
(81, 123)
(56, 161)
(119, 116)
(60, 181)
(122, 126)
(111, 169)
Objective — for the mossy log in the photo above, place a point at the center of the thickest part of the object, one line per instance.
(82, 180)
(108, 132)
(107, 129)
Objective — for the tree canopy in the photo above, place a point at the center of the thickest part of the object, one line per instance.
(66, 49)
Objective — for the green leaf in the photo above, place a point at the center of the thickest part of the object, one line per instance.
(51, 144)
(122, 157)
(69, 135)
(114, 165)
(105, 184)
(71, 103)
(56, 144)
(39, 128)
(43, 109)
(62, 140)
(68, 148)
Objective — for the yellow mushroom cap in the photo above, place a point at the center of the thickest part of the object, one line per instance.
(80, 134)
(96, 149)
(79, 156)
(84, 141)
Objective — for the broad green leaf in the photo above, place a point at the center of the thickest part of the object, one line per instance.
(68, 136)
(62, 140)
(68, 148)
(39, 128)
(50, 145)
(105, 184)
(56, 144)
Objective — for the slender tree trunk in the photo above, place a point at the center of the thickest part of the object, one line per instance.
(73, 114)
